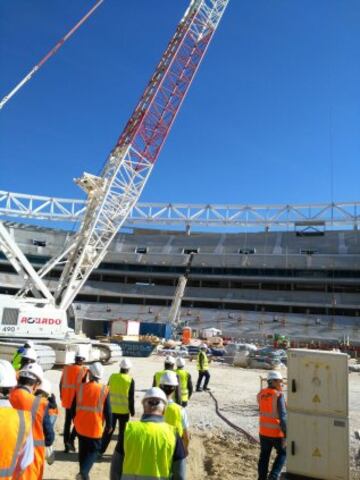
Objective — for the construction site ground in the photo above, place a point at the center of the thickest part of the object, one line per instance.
(217, 451)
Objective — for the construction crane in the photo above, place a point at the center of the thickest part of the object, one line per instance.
(113, 193)
(174, 313)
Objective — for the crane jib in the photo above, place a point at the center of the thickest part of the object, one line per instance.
(114, 193)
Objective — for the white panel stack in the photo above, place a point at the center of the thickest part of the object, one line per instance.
(318, 409)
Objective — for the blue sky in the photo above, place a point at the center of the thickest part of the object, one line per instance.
(273, 111)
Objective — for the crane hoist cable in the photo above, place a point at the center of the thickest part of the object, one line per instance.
(51, 53)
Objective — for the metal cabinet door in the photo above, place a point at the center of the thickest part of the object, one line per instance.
(318, 382)
(318, 446)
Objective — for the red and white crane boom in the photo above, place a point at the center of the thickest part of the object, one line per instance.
(113, 193)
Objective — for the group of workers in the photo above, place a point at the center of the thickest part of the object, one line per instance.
(156, 446)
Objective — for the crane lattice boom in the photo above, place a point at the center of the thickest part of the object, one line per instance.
(114, 193)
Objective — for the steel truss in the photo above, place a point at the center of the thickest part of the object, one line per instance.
(337, 214)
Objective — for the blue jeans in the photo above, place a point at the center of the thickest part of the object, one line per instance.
(266, 445)
(88, 452)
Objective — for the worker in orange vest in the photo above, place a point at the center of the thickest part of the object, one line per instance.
(71, 378)
(22, 397)
(92, 411)
(272, 420)
(15, 429)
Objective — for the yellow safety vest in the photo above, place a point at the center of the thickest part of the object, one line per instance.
(119, 386)
(149, 449)
(183, 376)
(205, 362)
(173, 417)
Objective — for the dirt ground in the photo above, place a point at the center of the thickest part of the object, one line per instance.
(217, 452)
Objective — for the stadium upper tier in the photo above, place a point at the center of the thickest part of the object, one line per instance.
(338, 214)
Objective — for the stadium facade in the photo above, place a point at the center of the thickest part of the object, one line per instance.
(301, 283)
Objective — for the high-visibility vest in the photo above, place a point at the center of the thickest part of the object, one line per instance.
(16, 360)
(119, 387)
(21, 399)
(205, 362)
(71, 378)
(89, 419)
(149, 449)
(183, 377)
(15, 426)
(269, 422)
(173, 417)
(158, 376)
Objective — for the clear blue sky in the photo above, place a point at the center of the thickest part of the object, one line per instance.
(275, 103)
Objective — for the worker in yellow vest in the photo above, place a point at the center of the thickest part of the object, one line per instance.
(185, 381)
(16, 360)
(175, 415)
(122, 399)
(151, 448)
(272, 427)
(169, 366)
(203, 368)
(15, 429)
(93, 415)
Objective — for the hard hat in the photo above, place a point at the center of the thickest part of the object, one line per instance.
(30, 354)
(203, 346)
(32, 370)
(274, 375)
(170, 360)
(96, 370)
(80, 352)
(29, 344)
(7, 375)
(180, 362)
(45, 386)
(155, 392)
(125, 364)
(170, 379)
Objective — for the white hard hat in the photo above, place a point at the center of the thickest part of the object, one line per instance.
(7, 375)
(29, 344)
(170, 379)
(203, 346)
(96, 370)
(30, 354)
(170, 360)
(274, 375)
(155, 392)
(45, 386)
(180, 362)
(125, 364)
(32, 370)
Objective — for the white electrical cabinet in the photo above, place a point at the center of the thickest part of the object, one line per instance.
(318, 426)
(317, 446)
(318, 382)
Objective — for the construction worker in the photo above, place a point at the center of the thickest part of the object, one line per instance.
(45, 390)
(71, 378)
(150, 448)
(169, 366)
(175, 415)
(203, 368)
(272, 423)
(22, 398)
(16, 360)
(185, 381)
(15, 429)
(92, 408)
(122, 399)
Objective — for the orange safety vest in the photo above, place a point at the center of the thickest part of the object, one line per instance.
(90, 400)
(71, 378)
(269, 422)
(21, 399)
(15, 426)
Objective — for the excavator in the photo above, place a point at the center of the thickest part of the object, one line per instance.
(41, 308)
